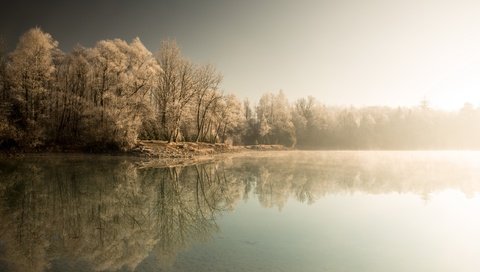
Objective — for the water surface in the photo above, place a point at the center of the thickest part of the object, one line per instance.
(281, 211)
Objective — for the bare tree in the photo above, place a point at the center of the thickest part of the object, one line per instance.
(175, 90)
(206, 95)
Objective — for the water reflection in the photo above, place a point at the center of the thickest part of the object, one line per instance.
(109, 214)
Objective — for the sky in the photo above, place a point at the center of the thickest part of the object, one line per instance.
(342, 52)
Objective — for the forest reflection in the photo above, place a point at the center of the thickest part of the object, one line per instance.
(111, 214)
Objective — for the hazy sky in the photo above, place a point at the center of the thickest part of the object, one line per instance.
(342, 52)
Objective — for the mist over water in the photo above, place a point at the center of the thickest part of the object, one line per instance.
(280, 211)
(264, 135)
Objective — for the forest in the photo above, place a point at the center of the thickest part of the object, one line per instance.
(116, 93)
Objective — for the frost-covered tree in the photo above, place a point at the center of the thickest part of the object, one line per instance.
(250, 125)
(72, 98)
(230, 120)
(124, 78)
(206, 97)
(309, 121)
(7, 130)
(30, 73)
(274, 114)
(175, 90)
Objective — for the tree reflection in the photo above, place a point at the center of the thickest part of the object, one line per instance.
(307, 176)
(110, 214)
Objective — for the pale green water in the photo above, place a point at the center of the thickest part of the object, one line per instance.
(282, 211)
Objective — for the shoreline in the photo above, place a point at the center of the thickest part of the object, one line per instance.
(149, 149)
(171, 155)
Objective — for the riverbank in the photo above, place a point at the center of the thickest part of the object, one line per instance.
(164, 154)
(153, 149)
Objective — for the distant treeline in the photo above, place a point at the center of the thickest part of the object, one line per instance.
(115, 93)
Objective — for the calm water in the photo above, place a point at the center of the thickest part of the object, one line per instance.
(282, 211)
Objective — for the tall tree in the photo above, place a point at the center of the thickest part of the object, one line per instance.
(206, 96)
(73, 96)
(175, 90)
(124, 77)
(308, 120)
(3, 69)
(275, 119)
(30, 73)
(229, 118)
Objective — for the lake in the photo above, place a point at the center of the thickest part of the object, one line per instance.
(279, 211)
